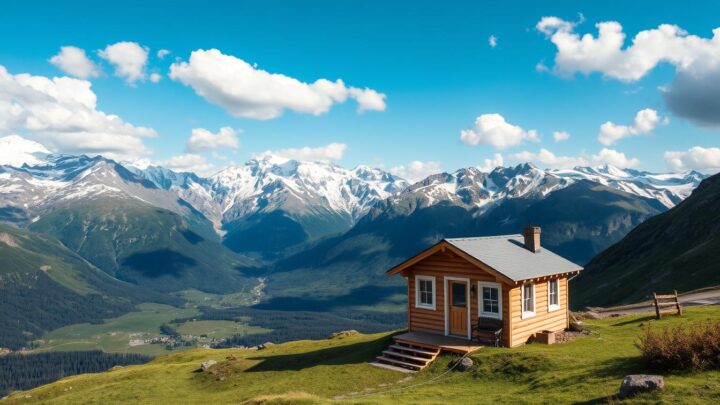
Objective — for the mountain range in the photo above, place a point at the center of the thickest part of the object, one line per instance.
(675, 250)
(302, 226)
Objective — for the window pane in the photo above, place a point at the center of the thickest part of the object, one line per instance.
(528, 296)
(458, 295)
(425, 292)
(490, 300)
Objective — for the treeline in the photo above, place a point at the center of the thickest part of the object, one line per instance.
(298, 325)
(26, 371)
(33, 303)
(168, 330)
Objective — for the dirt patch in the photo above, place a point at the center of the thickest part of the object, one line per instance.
(568, 335)
(8, 240)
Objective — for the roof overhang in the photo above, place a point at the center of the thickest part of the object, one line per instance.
(443, 246)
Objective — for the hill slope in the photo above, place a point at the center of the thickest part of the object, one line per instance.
(44, 286)
(674, 250)
(316, 372)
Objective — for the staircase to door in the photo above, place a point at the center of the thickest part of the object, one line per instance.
(407, 356)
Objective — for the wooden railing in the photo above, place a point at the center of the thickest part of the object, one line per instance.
(670, 301)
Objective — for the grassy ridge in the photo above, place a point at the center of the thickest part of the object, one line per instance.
(586, 370)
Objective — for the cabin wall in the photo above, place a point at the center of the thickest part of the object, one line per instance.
(557, 320)
(440, 265)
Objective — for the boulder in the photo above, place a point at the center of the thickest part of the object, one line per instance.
(265, 345)
(637, 383)
(464, 364)
(205, 365)
(343, 334)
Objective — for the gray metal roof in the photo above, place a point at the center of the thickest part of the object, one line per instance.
(507, 254)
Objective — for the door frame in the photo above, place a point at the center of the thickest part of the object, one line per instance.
(467, 304)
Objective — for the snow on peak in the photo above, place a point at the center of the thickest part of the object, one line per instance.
(17, 151)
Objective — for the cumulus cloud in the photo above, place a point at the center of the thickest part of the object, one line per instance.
(493, 130)
(560, 136)
(202, 139)
(548, 159)
(329, 152)
(705, 160)
(245, 91)
(492, 41)
(490, 164)
(695, 90)
(73, 61)
(17, 151)
(416, 170)
(62, 113)
(189, 163)
(645, 122)
(161, 54)
(155, 77)
(128, 58)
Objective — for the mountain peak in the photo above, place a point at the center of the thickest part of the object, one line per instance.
(17, 151)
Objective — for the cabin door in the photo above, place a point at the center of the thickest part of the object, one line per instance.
(458, 311)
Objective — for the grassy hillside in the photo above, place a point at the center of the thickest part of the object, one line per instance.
(44, 285)
(586, 370)
(145, 245)
(677, 249)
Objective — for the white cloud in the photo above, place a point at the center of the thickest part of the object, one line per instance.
(490, 164)
(645, 122)
(695, 90)
(548, 159)
(202, 139)
(73, 61)
(128, 58)
(705, 160)
(245, 91)
(161, 54)
(155, 77)
(492, 129)
(417, 170)
(560, 136)
(332, 151)
(189, 163)
(492, 41)
(62, 113)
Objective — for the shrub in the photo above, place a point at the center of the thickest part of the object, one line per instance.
(694, 347)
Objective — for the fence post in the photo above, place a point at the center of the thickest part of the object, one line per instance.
(677, 303)
(657, 307)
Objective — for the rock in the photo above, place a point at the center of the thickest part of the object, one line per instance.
(265, 345)
(637, 383)
(464, 364)
(204, 366)
(343, 334)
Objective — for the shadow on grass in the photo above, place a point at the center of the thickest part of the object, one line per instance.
(636, 320)
(354, 353)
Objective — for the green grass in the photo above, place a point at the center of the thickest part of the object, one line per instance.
(586, 370)
(202, 298)
(218, 329)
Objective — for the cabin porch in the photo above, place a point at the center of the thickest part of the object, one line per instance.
(413, 351)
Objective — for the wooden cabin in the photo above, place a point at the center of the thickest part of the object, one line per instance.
(507, 280)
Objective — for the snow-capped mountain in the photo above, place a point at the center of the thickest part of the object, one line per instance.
(30, 191)
(323, 197)
(473, 188)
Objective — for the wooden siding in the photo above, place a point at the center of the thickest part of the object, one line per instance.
(516, 331)
(441, 265)
(556, 320)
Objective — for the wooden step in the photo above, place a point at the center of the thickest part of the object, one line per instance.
(391, 367)
(415, 344)
(399, 362)
(667, 304)
(410, 349)
(423, 360)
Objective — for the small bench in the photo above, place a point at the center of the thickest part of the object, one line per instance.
(489, 331)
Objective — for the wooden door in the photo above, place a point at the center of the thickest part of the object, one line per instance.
(458, 308)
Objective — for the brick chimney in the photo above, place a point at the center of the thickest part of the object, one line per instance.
(532, 238)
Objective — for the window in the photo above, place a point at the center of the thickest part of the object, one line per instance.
(528, 300)
(425, 292)
(553, 295)
(490, 300)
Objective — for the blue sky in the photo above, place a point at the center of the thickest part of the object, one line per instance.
(431, 60)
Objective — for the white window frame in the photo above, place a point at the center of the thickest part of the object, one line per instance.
(523, 313)
(446, 297)
(484, 314)
(555, 307)
(420, 305)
